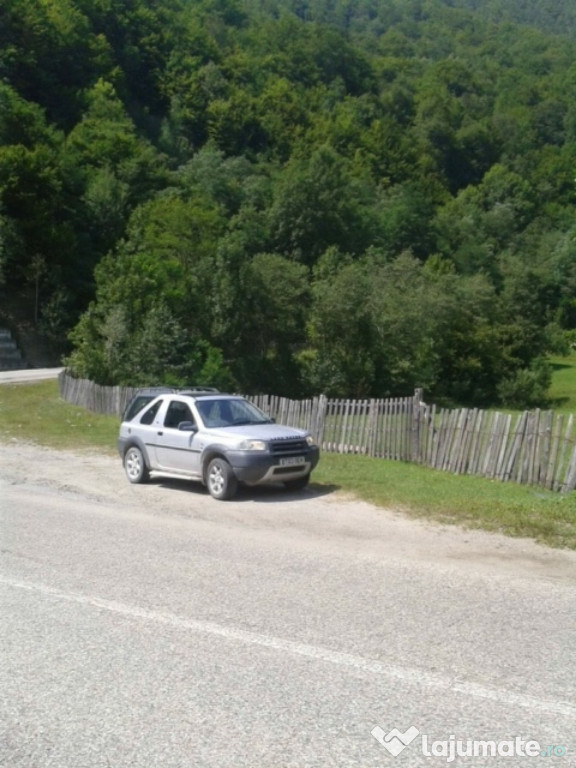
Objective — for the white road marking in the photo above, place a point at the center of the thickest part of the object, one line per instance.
(408, 674)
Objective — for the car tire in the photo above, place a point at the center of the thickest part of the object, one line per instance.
(221, 480)
(135, 465)
(298, 484)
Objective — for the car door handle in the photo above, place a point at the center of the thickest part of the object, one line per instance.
(160, 433)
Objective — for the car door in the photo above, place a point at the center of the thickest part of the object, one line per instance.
(146, 429)
(175, 448)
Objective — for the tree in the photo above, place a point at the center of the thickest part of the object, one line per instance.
(340, 361)
(153, 289)
(35, 195)
(50, 53)
(481, 221)
(106, 137)
(319, 203)
(113, 169)
(275, 291)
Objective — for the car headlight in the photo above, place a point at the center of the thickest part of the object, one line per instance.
(310, 440)
(252, 445)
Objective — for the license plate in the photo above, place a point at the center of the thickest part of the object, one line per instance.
(290, 461)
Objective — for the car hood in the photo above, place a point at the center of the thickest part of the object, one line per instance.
(259, 432)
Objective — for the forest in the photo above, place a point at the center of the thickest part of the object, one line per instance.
(348, 197)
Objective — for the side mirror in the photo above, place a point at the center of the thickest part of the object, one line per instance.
(187, 426)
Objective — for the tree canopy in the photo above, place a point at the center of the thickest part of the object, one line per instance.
(354, 198)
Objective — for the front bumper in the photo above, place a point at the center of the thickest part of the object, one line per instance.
(255, 468)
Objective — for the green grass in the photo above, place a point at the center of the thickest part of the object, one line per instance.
(563, 389)
(472, 502)
(34, 412)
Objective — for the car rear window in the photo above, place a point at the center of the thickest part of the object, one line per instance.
(139, 402)
(150, 414)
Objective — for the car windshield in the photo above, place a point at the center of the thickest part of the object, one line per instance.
(230, 413)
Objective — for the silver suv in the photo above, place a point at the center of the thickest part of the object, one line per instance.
(217, 439)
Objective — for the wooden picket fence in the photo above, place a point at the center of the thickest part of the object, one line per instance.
(533, 447)
(94, 397)
(379, 428)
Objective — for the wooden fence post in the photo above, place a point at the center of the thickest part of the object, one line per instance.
(320, 418)
(417, 406)
(570, 481)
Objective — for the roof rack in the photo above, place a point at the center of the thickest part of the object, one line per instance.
(196, 391)
(165, 390)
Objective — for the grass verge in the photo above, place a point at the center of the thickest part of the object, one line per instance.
(563, 387)
(34, 412)
(471, 502)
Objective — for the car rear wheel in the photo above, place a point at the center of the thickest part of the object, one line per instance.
(298, 484)
(220, 479)
(135, 465)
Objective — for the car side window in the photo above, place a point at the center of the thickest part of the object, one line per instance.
(136, 405)
(176, 413)
(149, 415)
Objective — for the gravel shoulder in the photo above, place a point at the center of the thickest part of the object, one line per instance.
(316, 518)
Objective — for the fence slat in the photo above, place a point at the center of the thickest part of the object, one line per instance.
(558, 485)
(570, 481)
(553, 455)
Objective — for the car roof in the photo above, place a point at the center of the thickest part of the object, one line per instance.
(208, 395)
(208, 392)
(197, 394)
(190, 391)
(148, 394)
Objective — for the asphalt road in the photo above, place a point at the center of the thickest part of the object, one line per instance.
(154, 627)
(29, 374)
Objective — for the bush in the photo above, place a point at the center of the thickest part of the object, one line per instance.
(528, 388)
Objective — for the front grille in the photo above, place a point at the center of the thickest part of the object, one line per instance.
(289, 447)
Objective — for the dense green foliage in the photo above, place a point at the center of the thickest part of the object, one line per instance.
(550, 15)
(349, 197)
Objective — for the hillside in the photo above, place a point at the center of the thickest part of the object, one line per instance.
(554, 16)
(349, 197)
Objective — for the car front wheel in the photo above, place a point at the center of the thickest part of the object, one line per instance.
(220, 479)
(135, 465)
